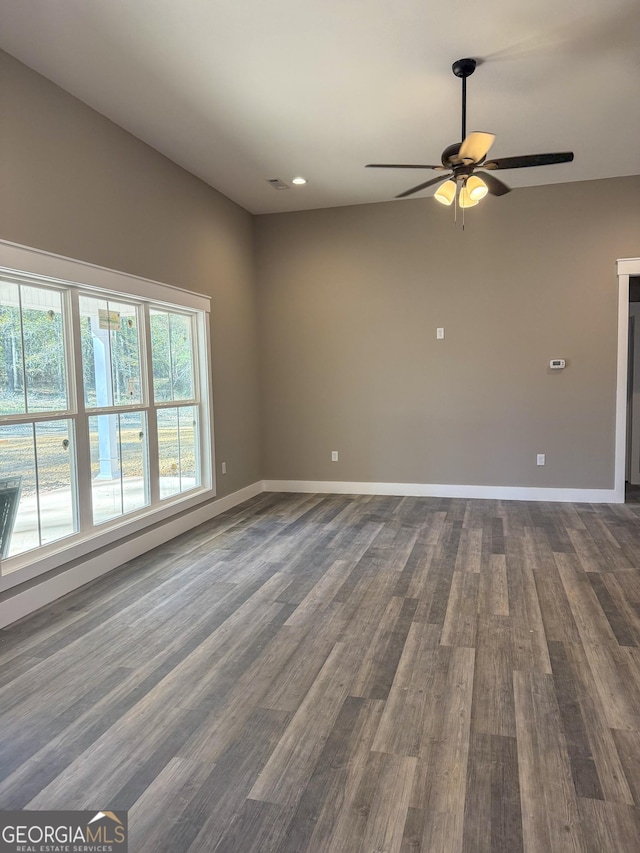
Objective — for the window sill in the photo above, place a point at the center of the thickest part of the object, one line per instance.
(30, 564)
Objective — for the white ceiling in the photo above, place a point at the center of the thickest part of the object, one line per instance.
(239, 91)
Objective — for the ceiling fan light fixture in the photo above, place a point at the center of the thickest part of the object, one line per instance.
(462, 158)
(476, 188)
(446, 192)
(465, 200)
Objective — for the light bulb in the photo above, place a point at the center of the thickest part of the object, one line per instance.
(476, 188)
(446, 192)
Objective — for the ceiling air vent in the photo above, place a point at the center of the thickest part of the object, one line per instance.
(277, 184)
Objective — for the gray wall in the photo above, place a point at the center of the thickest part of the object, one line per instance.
(350, 299)
(74, 183)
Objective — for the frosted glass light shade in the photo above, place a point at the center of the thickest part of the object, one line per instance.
(476, 188)
(465, 199)
(446, 192)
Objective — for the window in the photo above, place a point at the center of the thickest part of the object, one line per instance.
(104, 408)
(36, 432)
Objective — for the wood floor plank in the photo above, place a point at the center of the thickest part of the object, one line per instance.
(583, 766)
(497, 535)
(461, 617)
(387, 815)
(401, 546)
(627, 606)
(621, 701)
(321, 594)
(38, 729)
(493, 710)
(316, 811)
(419, 565)
(380, 662)
(611, 774)
(628, 749)
(549, 811)
(557, 617)
(291, 764)
(493, 594)
(201, 823)
(412, 835)
(78, 786)
(257, 828)
(629, 582)
(617, 616)
(162, 803)
(529, 637)
(493, 818)
(630, 667)
(400, 730)
(227, 714)
(343, 813)
(609, 826)
(469, 555)
(589, 552)
(441, 772)
(308, 650)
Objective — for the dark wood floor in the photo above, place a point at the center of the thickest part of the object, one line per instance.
(313, 673)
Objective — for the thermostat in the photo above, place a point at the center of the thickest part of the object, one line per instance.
(557, 363)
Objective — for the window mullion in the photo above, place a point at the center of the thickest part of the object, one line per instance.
(171, 388)
(36, 473)
(84, 506)
(152, 416)
(23, 353)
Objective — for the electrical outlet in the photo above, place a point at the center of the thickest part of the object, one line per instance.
(224, 467)
(440, 334)
(541, 459)
(334, 455)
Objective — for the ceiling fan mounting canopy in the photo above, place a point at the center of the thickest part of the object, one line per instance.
(464, 67)
(462, 158)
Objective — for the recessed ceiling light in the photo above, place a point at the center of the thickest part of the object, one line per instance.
(299, 181)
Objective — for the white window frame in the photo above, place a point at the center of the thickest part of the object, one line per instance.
(26, 265)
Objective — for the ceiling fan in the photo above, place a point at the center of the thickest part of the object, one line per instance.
(461, 160)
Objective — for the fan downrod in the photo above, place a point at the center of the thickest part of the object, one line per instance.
(464, 67)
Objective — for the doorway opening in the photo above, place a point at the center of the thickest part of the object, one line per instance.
(632, 462)
(627, 451)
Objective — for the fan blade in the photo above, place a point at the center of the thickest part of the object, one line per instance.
(527, 160)
(424, 186)
(475, 146)
(495, 186)
(401, 166)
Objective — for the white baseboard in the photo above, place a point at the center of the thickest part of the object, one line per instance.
(437, 490)
(40, 592)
